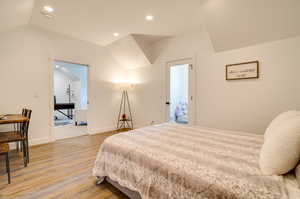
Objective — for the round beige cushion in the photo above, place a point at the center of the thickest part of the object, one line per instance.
(280, 153)
(278, 120)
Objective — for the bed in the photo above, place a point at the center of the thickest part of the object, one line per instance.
(170, 161)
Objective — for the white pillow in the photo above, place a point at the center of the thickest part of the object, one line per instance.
(278, 120)
(297, 172)
(281, 152)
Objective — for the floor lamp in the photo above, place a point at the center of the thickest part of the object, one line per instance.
(124, 119)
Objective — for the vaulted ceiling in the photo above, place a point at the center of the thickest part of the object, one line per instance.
(14, 13)
(230, 23)
(97, 20)
(238, 23)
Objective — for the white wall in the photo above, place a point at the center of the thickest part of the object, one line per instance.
(246, 105)
(26, 58)
(27, 54)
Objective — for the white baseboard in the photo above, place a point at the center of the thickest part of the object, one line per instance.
(107, 129)
(39, 141)
(144, 124)
(102, 130)
(137, 126)
(33, 142)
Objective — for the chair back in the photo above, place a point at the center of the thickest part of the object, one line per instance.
(25, 125)
(23, 111)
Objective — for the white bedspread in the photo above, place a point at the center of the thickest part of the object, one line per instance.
(172, 161)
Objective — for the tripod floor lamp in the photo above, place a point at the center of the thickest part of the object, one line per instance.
(125, 116)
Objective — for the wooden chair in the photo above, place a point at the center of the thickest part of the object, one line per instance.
(16, 127)
(28, 115)
(20, 134)
(4, 149)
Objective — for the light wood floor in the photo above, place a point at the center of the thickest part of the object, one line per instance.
(62, 169)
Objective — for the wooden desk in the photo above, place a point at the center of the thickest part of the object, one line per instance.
(13, 119)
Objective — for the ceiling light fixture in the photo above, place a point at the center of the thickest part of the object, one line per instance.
(149, 18)
(116, 34)
(48, 9)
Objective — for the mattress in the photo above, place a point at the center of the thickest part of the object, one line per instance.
(170, 161)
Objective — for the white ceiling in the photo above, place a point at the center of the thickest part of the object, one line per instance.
(129, 53)
(230, 23)
(14, 13)
(97, 20)
(238, 23)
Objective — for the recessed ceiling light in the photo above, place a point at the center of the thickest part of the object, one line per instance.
(149, 18)
(56, 66)
(48, 9)
(116, 34)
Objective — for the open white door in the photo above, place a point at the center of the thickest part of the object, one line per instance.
(180, 89)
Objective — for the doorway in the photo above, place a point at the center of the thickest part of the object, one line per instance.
(180, 92)
(70, 93)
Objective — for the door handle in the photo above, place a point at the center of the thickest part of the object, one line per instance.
(168, 103)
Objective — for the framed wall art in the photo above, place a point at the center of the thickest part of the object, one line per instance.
(246, 70)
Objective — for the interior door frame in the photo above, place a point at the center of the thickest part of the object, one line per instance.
(51, 100)
(191, 88)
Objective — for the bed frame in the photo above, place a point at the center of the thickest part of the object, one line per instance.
(130, 193)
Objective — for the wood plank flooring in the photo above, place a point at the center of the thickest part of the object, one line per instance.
(62, 169)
